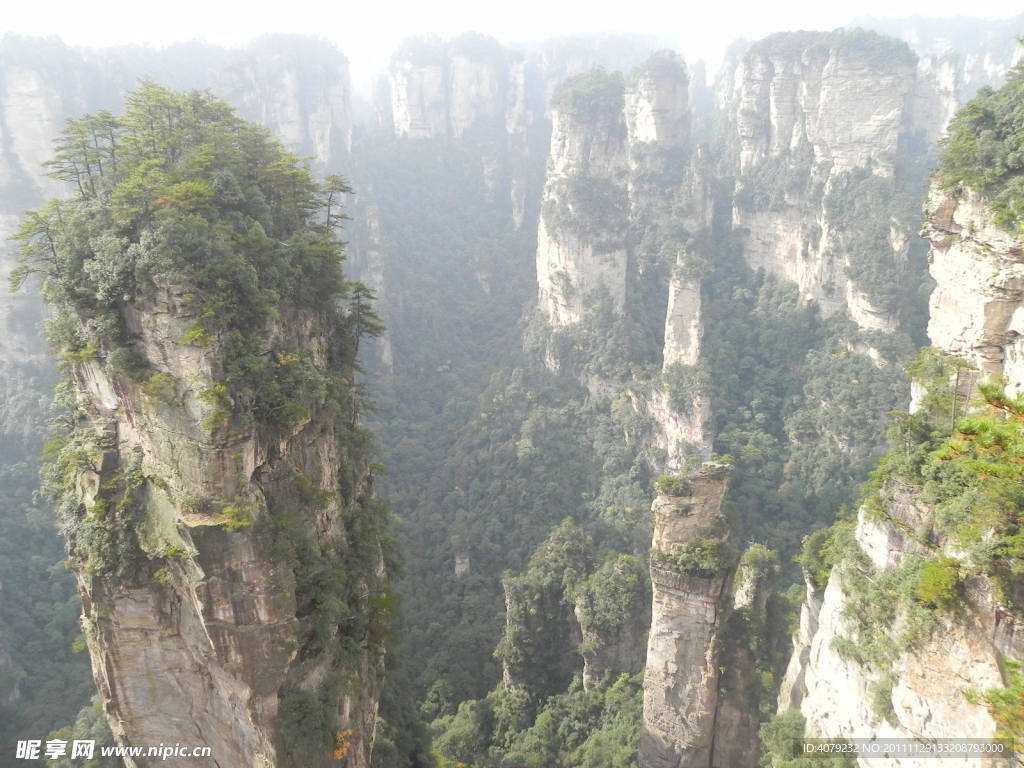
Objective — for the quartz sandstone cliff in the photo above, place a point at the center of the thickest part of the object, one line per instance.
(682, 701)
(975, 310)
(621, 189)
(811, 112)
(205, 618)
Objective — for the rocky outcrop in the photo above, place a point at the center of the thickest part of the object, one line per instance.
(682, 671)
(814, 113)
(976, 311)
(657, 102)
(614, 146)
(211, 646)
(581, 248)
(448, 89)
(680, 407)
(955, 59)
(922, 691)
(194, 603)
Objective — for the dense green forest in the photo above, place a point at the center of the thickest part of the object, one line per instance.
(490, 449)
(517, 459)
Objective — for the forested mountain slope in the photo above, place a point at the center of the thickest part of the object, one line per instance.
(598, 273)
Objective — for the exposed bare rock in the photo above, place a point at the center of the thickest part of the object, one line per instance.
(448, 89)
(812, 111)
(657, 102)
(418, 98)
(977, 307)
(580, 247)
(682, 671)
(929, 681)
(201, 619)
(975, 315)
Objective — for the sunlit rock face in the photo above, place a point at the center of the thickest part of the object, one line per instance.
(604, 132)
(690, 719)
(956, 57)
(977, 308)
(839, 696)
(581, 250)
(813, 112)
(975, 314)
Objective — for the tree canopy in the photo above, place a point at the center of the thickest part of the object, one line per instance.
(178, 192)
(984, 150)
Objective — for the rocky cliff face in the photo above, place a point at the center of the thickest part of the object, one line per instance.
(608, 138)
(446, 90)
(212, 628)
(976, 311)
(814, 113)
(581, 250)
(921, 692)
(202, 615)
(690, 605)
(955, 59)
(620, 201)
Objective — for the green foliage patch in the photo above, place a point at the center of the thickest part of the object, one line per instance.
(984, 150)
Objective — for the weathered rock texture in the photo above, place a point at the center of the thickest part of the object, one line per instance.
(448, 89)
(195, 607)
(955, 59)
(681, 678)
(581, 250)
(975, 310)
(811, 112)
(608, 136)
(621, 201)
(211, 638)
(838, 696)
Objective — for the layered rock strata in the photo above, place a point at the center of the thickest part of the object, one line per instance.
(681, 678)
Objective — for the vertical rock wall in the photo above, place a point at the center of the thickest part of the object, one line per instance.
(811, 112)
(975, 313)
(682, 670)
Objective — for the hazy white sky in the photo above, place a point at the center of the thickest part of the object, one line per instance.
(368, 30)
